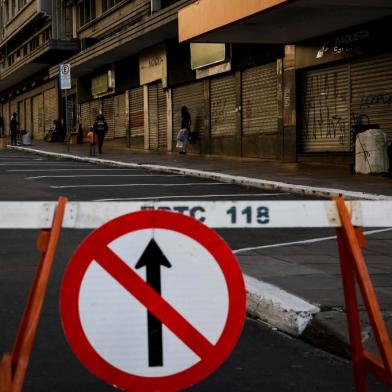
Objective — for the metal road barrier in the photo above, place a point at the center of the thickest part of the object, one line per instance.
(347, 217)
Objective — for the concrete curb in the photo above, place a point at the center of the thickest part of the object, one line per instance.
(237, 180)
(277, 307)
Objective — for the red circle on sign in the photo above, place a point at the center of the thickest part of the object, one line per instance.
(212, 356)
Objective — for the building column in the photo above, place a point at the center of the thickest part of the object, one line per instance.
(169, 116)
(146, 118)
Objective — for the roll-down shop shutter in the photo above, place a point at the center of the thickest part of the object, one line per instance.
(153, 115)
(50, 108)
(38, 128)
(95, 109)
(162, 118)
(28, 125)
(6, 117)
(223, 106)
(324, 119)
(21, 115)
(85, 118)
(108, 113)
(191, 96)
(136, 109)
(371, 92)
(259, 99)
(120, 116)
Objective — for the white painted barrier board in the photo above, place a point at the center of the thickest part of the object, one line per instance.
(215, 214)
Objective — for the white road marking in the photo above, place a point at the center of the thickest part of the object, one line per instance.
(25, 163)
(55, 170)
(310, 241)
(136, 184)
(192, 197)
(106, 175)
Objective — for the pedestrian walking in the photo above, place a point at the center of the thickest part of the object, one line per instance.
(1, 126)
(92, 141)
(183, 135)
(100, 128)
(14, 124)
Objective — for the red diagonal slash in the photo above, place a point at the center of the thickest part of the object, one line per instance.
(155, 304)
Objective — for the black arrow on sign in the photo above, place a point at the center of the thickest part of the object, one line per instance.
(153, 258)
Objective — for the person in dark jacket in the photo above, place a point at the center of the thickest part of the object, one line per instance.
(14, 129)
(100, 127)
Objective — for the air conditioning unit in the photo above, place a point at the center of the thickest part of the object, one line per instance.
(155, 5)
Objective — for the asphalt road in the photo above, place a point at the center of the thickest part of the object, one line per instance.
(263, 360)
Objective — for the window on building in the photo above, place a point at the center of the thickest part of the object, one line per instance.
(21, 4)
(34, 43)
(107, 4)
(86, 11)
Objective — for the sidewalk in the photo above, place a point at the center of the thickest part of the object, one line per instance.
(295, 288)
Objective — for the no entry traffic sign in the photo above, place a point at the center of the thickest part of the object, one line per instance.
(153, 300)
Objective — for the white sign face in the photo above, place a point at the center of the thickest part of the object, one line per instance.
(65, 76)
(153, 66)
(195, 288)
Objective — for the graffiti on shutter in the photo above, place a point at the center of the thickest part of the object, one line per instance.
(38, 123)
(120, 116)
(28, 115)
(162, 118)
(136, 110)
(371, 89)
(153, 115)
(191, 96)
(223, 106)
(324, 120)
(108, 113)
(259, 100)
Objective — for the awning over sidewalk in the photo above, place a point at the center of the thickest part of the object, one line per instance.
(274, 21)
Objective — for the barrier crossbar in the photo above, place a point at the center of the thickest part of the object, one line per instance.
(346, 217)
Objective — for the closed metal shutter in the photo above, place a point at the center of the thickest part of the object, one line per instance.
(108, 113)
(223, 106)
(162, 118)
(153, 115)
(21, 115)
(85, 119)
(259, 100)
(191, 96)
(136, 109)
(38, 123)
(120, 116)
(28, 124)
(14, 107)
(371, 92)
(324, 119)
(50, 108)
(95, 109)
(6, 117)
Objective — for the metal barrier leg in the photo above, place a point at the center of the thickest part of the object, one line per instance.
(15, 365)
(354, 269)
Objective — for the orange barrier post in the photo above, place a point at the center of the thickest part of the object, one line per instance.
(354, 270)
(13, 367)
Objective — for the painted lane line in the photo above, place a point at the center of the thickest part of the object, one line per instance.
(136, 184)
(310, 241)
(36, 163)
(55, 170)
(106, 175)
(193, 196)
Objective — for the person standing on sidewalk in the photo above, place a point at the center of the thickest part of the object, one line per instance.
(14, 129)
(100, 129)
(185, 130)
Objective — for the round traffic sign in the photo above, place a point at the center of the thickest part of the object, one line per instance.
(153, 300)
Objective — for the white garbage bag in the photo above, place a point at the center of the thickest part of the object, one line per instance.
(26, 139)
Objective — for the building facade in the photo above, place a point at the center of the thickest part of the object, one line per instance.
(289, 94)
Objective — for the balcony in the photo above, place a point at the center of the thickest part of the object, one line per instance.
(31, 11)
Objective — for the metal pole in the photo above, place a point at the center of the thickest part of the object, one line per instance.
(68, 133)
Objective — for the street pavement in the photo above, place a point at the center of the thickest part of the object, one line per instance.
(307, 267)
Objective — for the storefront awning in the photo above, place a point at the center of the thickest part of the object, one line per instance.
(274, 21)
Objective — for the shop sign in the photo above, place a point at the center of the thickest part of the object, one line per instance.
(153, 66)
